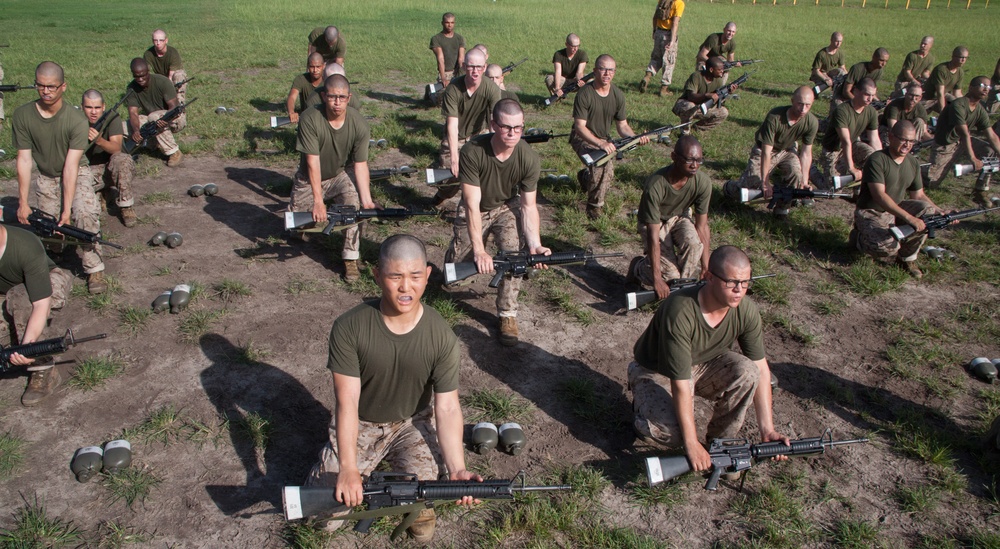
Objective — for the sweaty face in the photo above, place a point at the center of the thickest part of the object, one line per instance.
(403, 283)
(606, 72)
(688, 160)
(50, 89)
(510, 128)
(93, 108)
(900, 145)
(475, 67)
(315, 69)
(730, 296)
(141, 77)
(160, 43)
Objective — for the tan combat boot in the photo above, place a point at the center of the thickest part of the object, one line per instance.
(665, 91)
(509, 333)
(174, 160)
(129, 219)
(40, 385)
(96, 283)
(644, 83)
(351, 271)
(422, 529)
(911, 268)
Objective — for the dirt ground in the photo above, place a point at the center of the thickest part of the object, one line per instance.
(224, 493)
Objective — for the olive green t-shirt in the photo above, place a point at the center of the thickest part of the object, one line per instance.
(599, 111)
(857, 73)
(660, 200)
(449, 48)
(570, 66)
(315, 98)
(25, 262)
(171, 61)
(716, 47)
(698, 84)
(113, 125)
(915, 64)
(896, 110)
(846, 117)
(398, 372)
(306, 90)
(473, 112)
(678, 337)
(330, 54)
(899, 179)
(957, 113)
(49, 139)
(154, 97)
(507, 94)
(941, 76)
(498, 181)
(335, 147)
(826, 61)
(776, 132)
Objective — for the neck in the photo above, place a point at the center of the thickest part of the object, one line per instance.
(401, 323)
(52, 109)
(709, 306)
(332, 117)
(675, 177)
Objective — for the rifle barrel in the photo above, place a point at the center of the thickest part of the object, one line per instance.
(76, 340)
(541, 488)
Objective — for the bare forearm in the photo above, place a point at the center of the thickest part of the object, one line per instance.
(531, 226)
(449, 429)
(762, 398)
(37, 320)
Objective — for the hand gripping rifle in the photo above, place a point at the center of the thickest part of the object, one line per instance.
(601, 157)
(787, 194)
(726, 65)
(991, 165)
(510, 68)
(837, 81)
(386, 173)
(732, 455)
(570, 87)
(14, 87)
(634, 300)
(341, 215)
(43, 348)
(152, 129)
(933, 222)
(401, 494)
(724, 93)
(46, 225)
(536, 135)
(513, 264)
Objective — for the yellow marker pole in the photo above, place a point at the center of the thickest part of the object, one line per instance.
(908, 4)
(863, 2)
(967, 4)
(886, 4)
(841, 3)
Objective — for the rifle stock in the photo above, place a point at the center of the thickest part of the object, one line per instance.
(518, 264)
(822, 86)
(990, 165)
(386, 173)
(635, 300)
(279, 121)
(339, 215)
(731, 455)
(43, 348)
(724, 93)
(934, 222)
(570, 87)
(45, 226)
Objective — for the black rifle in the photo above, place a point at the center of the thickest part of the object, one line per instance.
(837, 81)
(510, 68)
(724, 93)
(601, 157)
(933, 222)
(182, 82)
(921, 146)
(14, 87)
(386, 173)
(634, 300)
(43, 348)
(535, 135)
(787, 194)
(879, 105)
(341, 215)
(991, 164)
(401, 494)
(513, 264)
(726, 65)
(46, 225)
(152, 129)
(569, 87)
(732, 455)
(99, 124)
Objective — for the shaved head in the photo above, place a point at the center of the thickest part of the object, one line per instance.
(50, 69)
(507, 107)
(92, 95)
(475, 56)
(904, 129)
(159, 34)
(687, 146)
(573, 40)
(716, 62)
(494, 71)
(726, 259)
(803, 93)
(331, 34)
(332, 69)
(314, 57)
(138, 65)
(337, 82)
(401, 247)
(837, 37)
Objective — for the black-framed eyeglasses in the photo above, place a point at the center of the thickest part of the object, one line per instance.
(696, 161)
(731, 284)
(45, 87)
(510, 129)
(606, 69)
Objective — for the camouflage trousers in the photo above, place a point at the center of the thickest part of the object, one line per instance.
(165, 139)
(86, 212)
(410, 446)
(832, 74)
(834, 163)
(875, 239)
(785, 162)
(728, 382)
(680, 251)
(118, 173)
(2, 116)
(596, 179)
(504, 223)
(663, 56)
(932, 105)
(17, 308)
(687, 110)
(444, 160)
(943, 160)
(180, 75)
(343, 191)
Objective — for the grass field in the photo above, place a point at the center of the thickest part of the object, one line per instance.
(244, 54)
